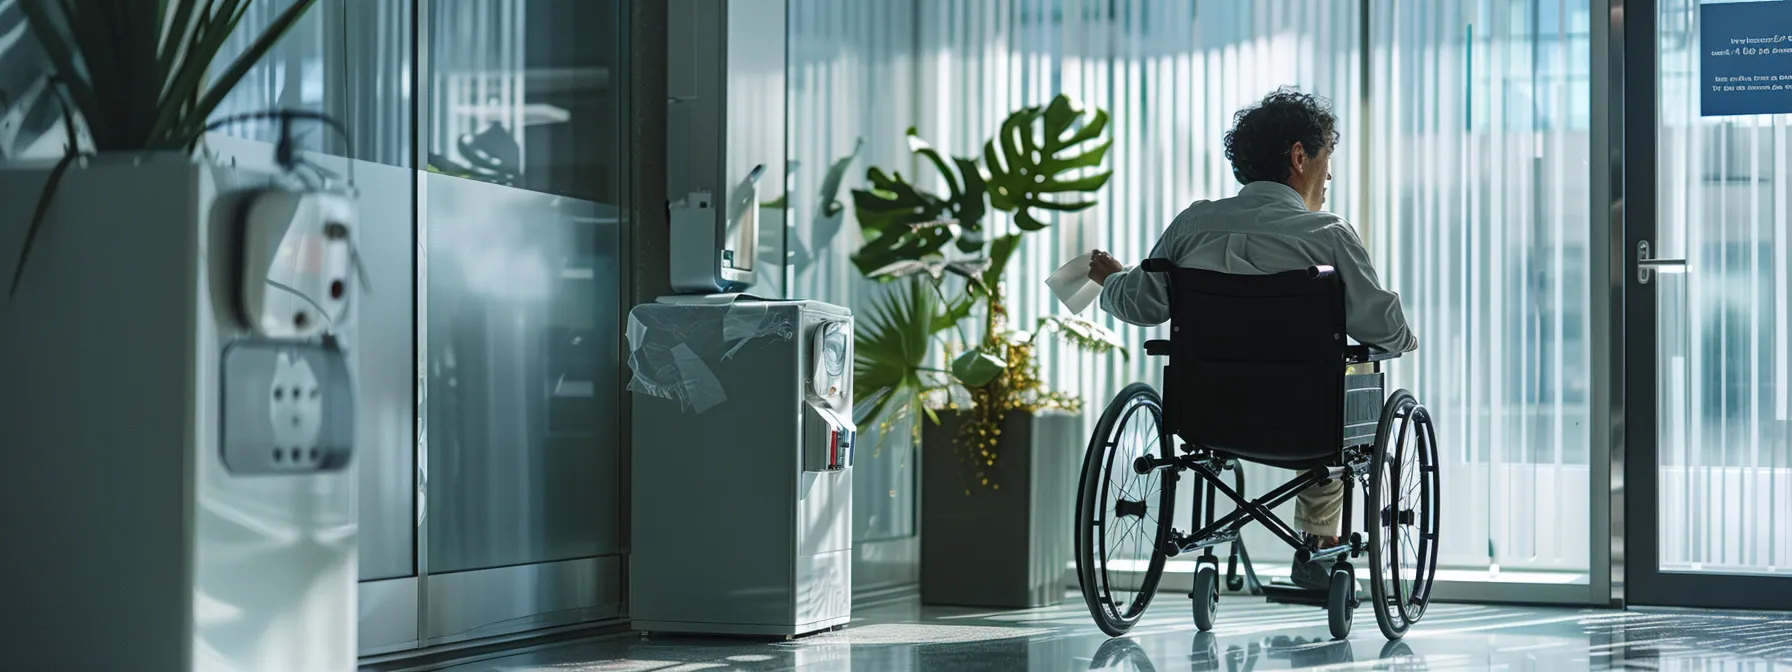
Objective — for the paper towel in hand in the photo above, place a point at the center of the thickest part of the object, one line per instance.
(1071, 284)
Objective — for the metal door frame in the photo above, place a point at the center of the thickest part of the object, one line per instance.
(1636, 573)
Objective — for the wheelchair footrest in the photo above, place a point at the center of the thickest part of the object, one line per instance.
(1282, 591)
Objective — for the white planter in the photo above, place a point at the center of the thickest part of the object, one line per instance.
(129, 545)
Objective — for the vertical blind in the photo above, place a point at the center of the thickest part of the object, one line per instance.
(1480, 218)
(1471, 189)
(851, 79)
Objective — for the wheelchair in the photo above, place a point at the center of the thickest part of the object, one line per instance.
(1259, 369)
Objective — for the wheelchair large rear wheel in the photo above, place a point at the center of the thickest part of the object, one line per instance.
(1123, 517)
(1402, 515)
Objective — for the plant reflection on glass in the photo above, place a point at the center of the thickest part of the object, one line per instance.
(945, 269)
(134, 72)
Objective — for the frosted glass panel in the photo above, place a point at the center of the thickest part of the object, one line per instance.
(1725, 449)
(1171, 73)
(1480, 216)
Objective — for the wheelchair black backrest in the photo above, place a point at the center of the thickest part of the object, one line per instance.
(1257, 363)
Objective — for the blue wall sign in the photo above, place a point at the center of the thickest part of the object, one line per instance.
(1746, 62)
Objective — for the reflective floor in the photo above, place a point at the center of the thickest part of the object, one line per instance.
(1251, 635)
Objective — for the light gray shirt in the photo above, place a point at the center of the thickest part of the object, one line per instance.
(1265, 229)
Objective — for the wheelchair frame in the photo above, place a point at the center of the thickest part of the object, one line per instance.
(1354, 462)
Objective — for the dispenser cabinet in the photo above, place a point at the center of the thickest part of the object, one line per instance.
(742, 485)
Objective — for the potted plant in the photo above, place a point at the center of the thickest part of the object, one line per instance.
(111, 338)
(987, 425)
(131, 78)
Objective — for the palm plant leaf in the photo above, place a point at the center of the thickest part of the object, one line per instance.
(240, 67)
(43, 203)
(136, 70)
(1030, 168)
(891, 345)
(133, 71)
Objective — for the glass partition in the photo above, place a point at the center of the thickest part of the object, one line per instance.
(347, 59)
(527, 93)
(1479, 219)
(851, 90)
(1724, 477)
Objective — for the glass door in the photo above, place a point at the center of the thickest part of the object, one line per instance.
(1709, 467)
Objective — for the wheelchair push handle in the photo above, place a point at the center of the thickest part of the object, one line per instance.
(1159, 265)
(1364, 354)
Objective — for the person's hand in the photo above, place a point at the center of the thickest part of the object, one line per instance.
(1102, 265)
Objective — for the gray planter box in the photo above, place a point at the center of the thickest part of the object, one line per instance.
(121, 512)
(1003, 548)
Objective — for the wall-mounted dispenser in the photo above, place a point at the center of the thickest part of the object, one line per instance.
(297, 263)
(715, 246)
(725, 145)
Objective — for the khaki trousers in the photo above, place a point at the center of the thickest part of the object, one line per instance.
(1318, 509)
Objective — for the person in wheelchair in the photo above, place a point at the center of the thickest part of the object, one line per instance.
(1280, 151)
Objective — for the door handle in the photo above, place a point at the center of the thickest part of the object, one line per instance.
(1646, 265)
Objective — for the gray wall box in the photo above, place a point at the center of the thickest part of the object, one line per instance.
(725, 81)
(732, 533)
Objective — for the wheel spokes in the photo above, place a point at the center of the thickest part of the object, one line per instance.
(1127, 514)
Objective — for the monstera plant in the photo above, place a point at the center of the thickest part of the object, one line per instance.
(946, 267)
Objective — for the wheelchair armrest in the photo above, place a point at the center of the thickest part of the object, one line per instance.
(1157, 348)
(1157, 266)
(1362, 354)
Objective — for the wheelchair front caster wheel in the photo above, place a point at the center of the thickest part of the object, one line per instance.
(1206, 595)
(1340, 603)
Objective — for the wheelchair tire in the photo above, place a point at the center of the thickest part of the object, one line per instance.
(1340, 603)
(1205, 598)
(1110, 493)
(1402, 514)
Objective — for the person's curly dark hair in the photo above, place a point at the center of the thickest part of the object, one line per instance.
(1263, 134)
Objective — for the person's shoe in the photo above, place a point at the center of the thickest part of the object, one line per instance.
(1310, 575)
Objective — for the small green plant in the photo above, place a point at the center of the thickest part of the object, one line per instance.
(135, 73)
(1043, 159)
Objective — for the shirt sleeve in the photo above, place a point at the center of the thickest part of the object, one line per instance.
(1137, 297)
(1373, 314)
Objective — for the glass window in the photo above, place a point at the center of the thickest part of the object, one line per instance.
(348, 59)
(850, 89)
(1724, 471)
(521, 233)
(527, 93)
(1479, 219)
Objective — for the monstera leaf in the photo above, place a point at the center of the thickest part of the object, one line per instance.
(1038, 161)
(900, 222)
(966, 186)
(903, 222)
